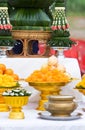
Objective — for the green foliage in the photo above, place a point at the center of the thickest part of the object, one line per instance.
(3, 1)
(31, 3)
(60, 33)
(59, 3)
(5, 32)
(77, 6)
(6, 41)
(60, 38)
(60, 42)
(29, 17)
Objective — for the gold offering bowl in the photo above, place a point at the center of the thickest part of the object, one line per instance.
(16, 103)
(60, 105)
(47, 89)
(3, 106)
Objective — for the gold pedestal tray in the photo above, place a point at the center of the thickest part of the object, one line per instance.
(47, 89)
(16, 103)
(3, 106)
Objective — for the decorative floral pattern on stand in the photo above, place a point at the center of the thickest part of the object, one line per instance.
(4, 19)
(60, 21)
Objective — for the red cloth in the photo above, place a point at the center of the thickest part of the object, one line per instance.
(77, 51)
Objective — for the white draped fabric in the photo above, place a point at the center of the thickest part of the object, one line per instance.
(24, 67)
(33, 122)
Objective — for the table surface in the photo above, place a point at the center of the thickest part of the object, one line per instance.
(24, 67)
(33, 122)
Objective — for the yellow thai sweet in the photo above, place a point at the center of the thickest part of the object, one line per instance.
(50, 72)
(81, 84)
(7, 81)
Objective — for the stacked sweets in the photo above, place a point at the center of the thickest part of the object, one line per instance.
(52, 71)
(7, 77)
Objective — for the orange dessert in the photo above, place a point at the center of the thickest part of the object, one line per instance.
(50, 72)
(8, 71)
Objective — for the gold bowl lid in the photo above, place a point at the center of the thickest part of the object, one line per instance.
(60, 97)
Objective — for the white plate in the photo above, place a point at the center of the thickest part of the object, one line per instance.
(47, 116)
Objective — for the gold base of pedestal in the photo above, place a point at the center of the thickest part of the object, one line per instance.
(16, 115)
(46, 89)
(41, 105)
(4, 108)
(16, 103)
(44, 98)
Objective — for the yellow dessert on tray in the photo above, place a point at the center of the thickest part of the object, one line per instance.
(7, 81)
(49, 79)
(8, 71)
(7, 77)
(52, 71)
(80, 86)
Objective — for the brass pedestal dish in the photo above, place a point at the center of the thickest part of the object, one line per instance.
(47, 89)
(16, 102)
(3, 106)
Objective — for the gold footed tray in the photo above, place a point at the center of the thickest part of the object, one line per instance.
(3, 106)
(47, 89)
(16, 115)
(16, 103)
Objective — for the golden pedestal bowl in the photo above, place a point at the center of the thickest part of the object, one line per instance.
(47, 89)
(3, 106)
(16, 103)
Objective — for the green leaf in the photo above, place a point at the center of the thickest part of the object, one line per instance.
(29, 17)
(31, 3)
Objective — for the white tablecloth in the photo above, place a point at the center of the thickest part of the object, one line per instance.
(24, 67)
(32, 122)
